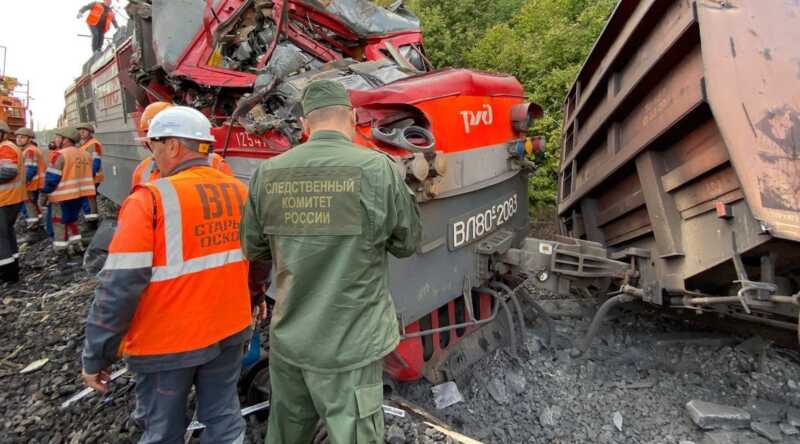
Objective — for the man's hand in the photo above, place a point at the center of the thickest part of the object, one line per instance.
(261, 312)
(98, 381)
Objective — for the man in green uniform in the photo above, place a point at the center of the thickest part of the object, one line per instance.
(326, 213)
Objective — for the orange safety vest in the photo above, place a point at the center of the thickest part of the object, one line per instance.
(12, 192)
(96, 13)
(146, 171)
(76, 176)
(95, 149)
(185, 228)
(33, 156)
(52, 156)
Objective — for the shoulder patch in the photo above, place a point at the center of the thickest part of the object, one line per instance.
(312, 201)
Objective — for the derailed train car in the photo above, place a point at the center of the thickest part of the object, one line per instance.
(671, 193)
(681, 152)
(460, 135)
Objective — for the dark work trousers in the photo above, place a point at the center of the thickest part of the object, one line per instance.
(65, 227)
(8, 238)
(90, 212)
(98, 36)
(31, 210)
(162, 397)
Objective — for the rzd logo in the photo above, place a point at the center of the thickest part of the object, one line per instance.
(475, 118)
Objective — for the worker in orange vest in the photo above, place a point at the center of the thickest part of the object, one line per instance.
(92, 146)
(100, 19)
(173, 298)
(12, 194)
(147, 171)
(68, 182)
(35, 166)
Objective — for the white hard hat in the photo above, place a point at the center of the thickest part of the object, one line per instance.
(183, 122)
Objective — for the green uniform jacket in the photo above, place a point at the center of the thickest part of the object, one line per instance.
(327, 212)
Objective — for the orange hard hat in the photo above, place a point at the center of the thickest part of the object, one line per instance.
(150, 113)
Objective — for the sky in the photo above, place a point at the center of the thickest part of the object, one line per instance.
(43, 47)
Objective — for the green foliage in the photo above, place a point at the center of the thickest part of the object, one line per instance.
(541, 42)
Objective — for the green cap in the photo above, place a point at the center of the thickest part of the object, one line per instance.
(69, 133)
(86, 126)
(324, 93)
(25, 132)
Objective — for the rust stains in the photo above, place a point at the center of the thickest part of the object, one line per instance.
(779, 146)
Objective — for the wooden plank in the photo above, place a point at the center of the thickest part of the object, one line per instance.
(704, 162)
(454, 435)
(664, 215)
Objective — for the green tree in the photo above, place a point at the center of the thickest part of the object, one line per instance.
(452, 27)
(541, 42)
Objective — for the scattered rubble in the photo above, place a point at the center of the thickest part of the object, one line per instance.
(714, 416)
(445, 395)
(617, 418)
(632, 386)
(733, 438)
(770, 431)
(642, 366)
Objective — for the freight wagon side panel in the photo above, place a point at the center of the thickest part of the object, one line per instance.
(681, 138)
(752, 65)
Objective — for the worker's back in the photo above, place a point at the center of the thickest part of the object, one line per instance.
(75, 167)
(331, 212)
(197, 294)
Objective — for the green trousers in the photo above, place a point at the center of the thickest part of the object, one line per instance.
(350, 404)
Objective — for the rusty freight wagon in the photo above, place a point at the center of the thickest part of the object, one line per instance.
(681, 153)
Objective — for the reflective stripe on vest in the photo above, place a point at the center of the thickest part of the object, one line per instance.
(173, 233)
(144, 172)
(76, 176)
(128, 261)
(14, 191)
(37, 182)
(95, 149)
(205, 278)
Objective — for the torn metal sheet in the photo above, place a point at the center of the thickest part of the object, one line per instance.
(366, 18)
(175, 24)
